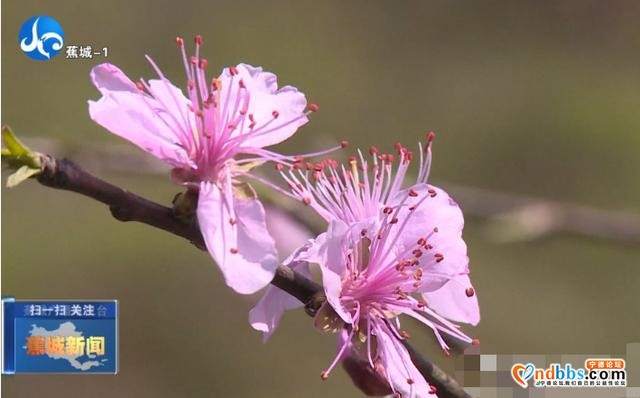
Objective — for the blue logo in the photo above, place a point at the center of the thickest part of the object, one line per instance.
(60, 336)
(41, 37)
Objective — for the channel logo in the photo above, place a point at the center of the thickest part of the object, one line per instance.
(599, 372)
(41, 38)
(59, 336)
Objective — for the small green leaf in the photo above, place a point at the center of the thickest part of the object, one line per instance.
(20, 175)
(17, 153)
(12, 142)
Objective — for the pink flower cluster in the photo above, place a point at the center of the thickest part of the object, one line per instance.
(388, 250)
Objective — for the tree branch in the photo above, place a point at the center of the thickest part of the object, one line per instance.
(126, 206)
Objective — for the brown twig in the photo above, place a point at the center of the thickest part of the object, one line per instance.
(126, 206)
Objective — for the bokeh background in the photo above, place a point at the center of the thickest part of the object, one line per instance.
(534, 98)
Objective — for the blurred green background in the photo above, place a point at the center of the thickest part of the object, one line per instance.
(531, 97)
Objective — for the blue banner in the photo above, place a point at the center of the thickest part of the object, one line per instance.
(64, 336)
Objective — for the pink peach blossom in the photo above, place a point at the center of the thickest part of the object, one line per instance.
(388, 251)
(211, 137)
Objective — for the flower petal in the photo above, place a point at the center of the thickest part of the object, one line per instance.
(402, 374)
(452, 301)
(439, 220)
(266, 314)
(134, 116)
(329, 253)
(173, 107)
(265, 99)
(237, 238)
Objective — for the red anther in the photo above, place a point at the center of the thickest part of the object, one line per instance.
(140, 86)
(383, 157)
(435, 229)
(412, 208)
(409, 155)
(191, 84)
(433, 389)
(410, 381)
(413, 193)
(233, 250)
(446, 352)
(344, 144)
(313, 107)
(179, 41)
(193, 60)
(306, 201)
(422, 242)
(469, 292)
(431, 136)
(198, 40)
(316, 175)
(279, 166)
(203, 64)
(251, 117)
(390, 157)
(252, 125)
(363, 232)
(352, 159)
(243, 111)
(241, 84)
(417, 253)
(394, 220)
(298, 158)
(275, 114)
(428, 246)
(233, 70)
(398, 146)
(421, 303)
(475, 342)
(439, 257)
(232, 221)
(404, 334)
(318, 167)
(414, 261)
(373, 150)
(199, 113)
(387, 210)
(309, 166)
(324, 375)
(418, 274)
